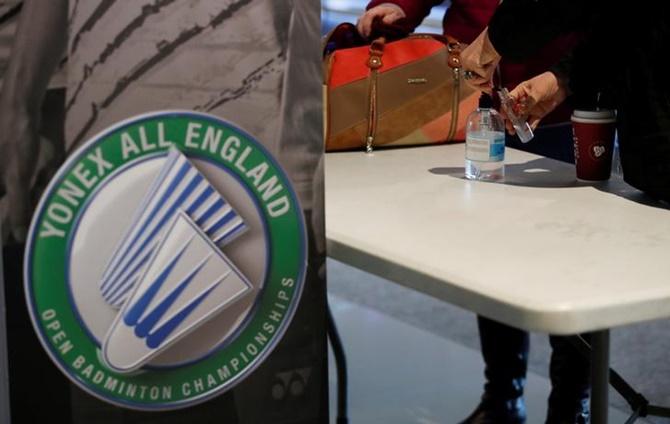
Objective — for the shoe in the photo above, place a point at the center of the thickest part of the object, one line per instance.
(491, 412)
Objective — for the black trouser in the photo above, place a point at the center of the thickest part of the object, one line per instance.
(505, 352)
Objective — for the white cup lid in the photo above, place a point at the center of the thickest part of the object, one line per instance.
(594, 114)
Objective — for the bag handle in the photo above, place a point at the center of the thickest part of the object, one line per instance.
(454, 52)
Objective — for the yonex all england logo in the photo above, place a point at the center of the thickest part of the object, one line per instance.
(165, 260)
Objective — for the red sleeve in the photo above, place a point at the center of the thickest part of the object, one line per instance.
(416, 10)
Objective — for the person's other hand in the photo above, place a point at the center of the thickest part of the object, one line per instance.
(479, 61)
(19, 149)
(387, 12)
(536, 98)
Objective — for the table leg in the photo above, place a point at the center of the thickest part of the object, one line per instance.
(341, 366)
(600, 364)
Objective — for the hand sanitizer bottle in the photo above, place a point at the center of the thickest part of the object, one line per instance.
(485, 143)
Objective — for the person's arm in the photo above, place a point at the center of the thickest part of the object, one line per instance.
(520, 28)
(390, 11)
(39, 42)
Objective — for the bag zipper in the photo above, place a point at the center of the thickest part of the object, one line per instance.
(374, 63)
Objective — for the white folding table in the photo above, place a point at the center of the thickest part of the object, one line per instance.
(539, 251)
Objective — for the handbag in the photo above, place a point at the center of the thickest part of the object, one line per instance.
(398, 90)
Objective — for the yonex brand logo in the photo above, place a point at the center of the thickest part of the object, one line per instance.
(165, 260)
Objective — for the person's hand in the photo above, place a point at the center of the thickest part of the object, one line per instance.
(536, 98)
(387, 12)
(479, 61)
(19, 149)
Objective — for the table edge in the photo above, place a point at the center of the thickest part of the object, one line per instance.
(560, 321)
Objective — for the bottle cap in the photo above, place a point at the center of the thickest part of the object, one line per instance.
(485, 101)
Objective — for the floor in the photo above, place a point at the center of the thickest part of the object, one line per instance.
(413, 359)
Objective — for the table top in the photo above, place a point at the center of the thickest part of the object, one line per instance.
(541, 251)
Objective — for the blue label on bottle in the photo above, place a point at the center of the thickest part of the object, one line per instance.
(497, 149)
(485, 146)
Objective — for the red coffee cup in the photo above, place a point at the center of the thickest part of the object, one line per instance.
(593, 133)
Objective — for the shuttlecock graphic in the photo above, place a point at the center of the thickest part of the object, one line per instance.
(187, 281)
(178, 186)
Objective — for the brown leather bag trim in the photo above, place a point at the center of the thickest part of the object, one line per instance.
(394, 91)
(397, 123)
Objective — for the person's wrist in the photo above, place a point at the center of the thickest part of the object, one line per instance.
(491, 51)
(562, 82)
(396, 7)
(387, 4)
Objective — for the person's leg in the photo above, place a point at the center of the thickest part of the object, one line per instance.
(505, 353)
(570, 375)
